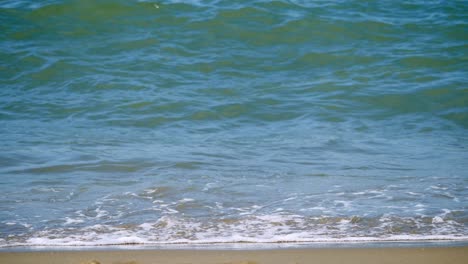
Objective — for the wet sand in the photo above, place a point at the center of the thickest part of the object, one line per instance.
(282, 256)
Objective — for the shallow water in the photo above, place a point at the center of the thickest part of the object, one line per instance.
(140, 122)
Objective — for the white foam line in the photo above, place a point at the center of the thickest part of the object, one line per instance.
(41, 242)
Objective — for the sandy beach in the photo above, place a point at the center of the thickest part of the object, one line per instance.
(283, 256)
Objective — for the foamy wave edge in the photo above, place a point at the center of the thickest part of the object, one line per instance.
(135, 241)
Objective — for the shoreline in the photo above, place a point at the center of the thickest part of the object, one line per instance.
(354, 255)
(241, 246)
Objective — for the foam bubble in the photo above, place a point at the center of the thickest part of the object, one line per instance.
(146, 226)
(69, 221)
(186, 200)
(437, 219)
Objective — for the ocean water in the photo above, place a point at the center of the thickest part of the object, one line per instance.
(193, 122)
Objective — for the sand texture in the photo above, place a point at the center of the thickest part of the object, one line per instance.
(285, 256)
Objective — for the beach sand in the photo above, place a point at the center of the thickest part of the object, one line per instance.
(282, 256)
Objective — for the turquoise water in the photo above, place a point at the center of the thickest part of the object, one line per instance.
(141, 122)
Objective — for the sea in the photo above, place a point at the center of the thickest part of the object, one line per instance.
(209, 122)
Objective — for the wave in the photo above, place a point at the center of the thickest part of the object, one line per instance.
(236, 241)
(274, 228)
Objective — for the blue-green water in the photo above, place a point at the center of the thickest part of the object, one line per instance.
(232, 121)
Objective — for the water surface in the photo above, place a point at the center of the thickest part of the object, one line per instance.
(141, 122)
